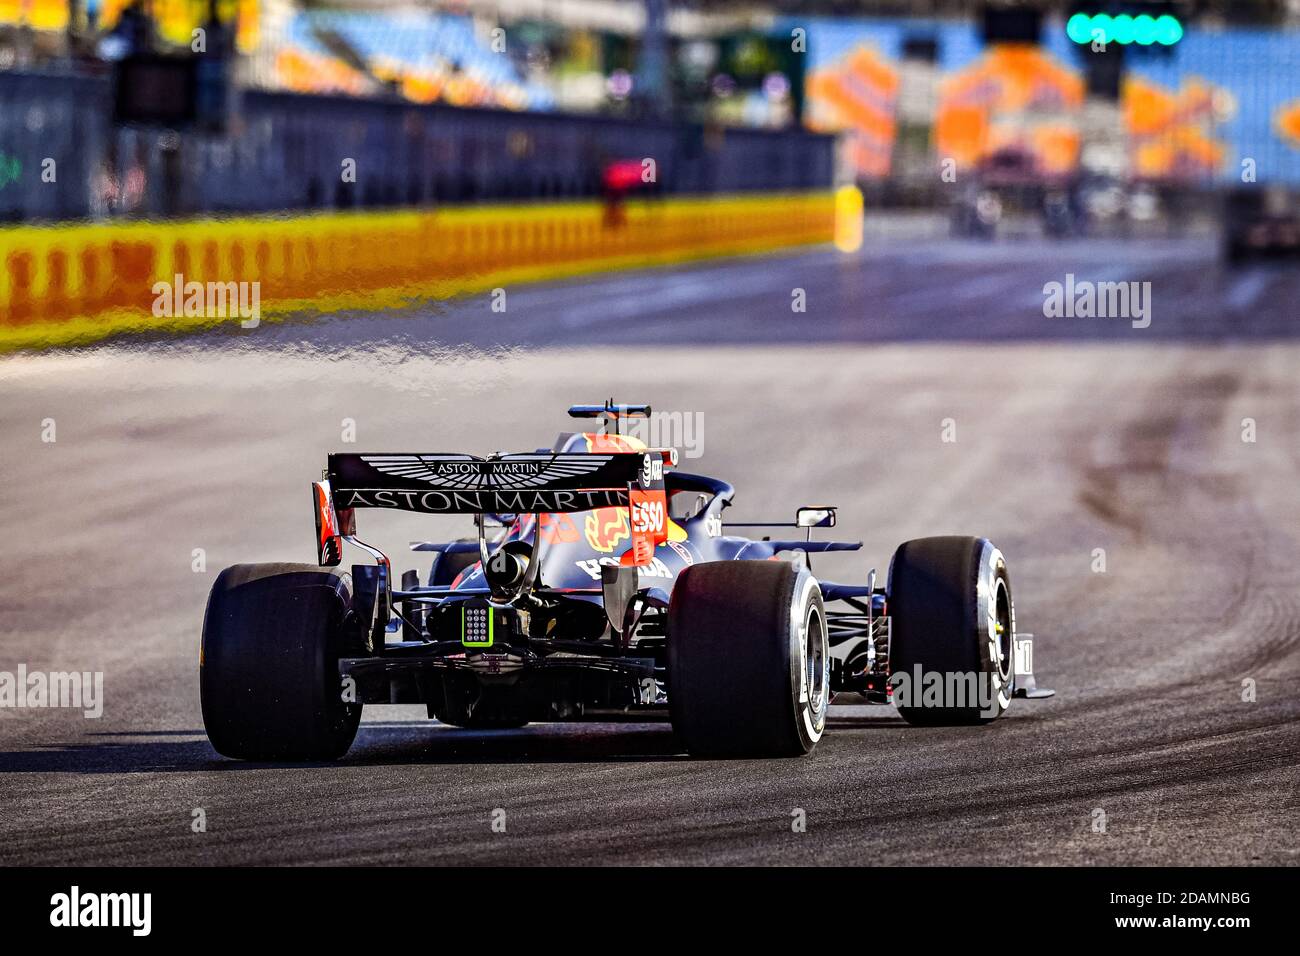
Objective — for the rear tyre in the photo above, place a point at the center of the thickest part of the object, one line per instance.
(951, 615)
(268, 668)
(748, 659)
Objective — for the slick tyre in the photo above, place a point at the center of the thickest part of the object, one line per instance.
(748, 659)
(951, 616)
(268, 668)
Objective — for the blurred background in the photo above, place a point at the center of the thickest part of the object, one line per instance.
(1057, 118)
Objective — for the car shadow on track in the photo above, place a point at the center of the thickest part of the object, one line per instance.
(376, 745)
(388, 743)
(428, 742)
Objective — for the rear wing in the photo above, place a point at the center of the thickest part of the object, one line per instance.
(503, 484)
(508, 484)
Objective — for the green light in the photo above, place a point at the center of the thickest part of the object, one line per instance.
(1078, 26)
(1144, 29)
(1124, 29)
(1168, 30)
(1101, 28)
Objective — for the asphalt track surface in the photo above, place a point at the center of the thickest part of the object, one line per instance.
(1071, 435)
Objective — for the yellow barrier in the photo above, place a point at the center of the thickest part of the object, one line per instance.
(65, 285)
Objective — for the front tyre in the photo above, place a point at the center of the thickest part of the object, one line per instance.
(748, 659)
(268, 668)
(952, 624)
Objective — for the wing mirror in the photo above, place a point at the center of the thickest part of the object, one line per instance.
(818, 516)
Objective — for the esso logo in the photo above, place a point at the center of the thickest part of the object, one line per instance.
(648, 516)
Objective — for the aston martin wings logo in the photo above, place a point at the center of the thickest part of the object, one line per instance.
(467, 472)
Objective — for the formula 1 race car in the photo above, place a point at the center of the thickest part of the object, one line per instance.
(601, 582)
